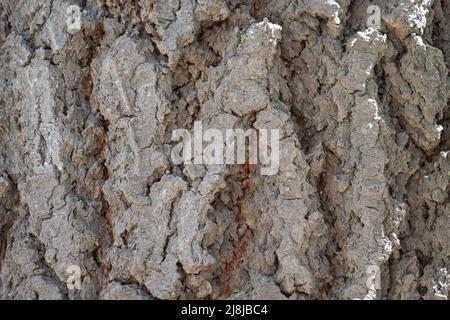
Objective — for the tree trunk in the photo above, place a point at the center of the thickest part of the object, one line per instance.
(94, 204)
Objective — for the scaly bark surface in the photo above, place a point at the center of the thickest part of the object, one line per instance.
(87, 178)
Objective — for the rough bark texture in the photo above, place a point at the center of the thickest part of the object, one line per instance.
(86, 176)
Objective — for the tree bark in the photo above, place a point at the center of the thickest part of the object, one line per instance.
(93, 205)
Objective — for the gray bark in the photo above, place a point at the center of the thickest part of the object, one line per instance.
(87, 178)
